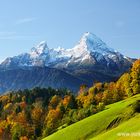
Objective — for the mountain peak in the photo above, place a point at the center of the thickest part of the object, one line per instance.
(41, 48)
(90, 36)
(42, 44)
(90, 49)
(93, 43)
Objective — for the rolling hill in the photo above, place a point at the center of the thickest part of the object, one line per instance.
(118, 119)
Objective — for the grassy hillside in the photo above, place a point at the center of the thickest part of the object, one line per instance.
(119, 117)
(129, 130)
(37, 113)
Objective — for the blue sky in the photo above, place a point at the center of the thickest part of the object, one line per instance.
(24, 23)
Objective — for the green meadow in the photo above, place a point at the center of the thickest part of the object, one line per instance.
(119, 121)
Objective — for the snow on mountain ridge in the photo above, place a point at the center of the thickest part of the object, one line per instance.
(39, 49)
(95, 44)
(89, 47)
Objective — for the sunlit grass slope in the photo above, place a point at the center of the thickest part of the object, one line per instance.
(129, 130)
(105, 125)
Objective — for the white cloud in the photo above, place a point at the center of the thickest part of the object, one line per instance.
(25, 20)
(18, 37)
(10, 35)
(7, 33)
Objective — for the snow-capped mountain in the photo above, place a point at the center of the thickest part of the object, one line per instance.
(90, 50)
(88, 61)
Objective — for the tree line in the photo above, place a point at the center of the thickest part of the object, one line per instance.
(36, 113)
